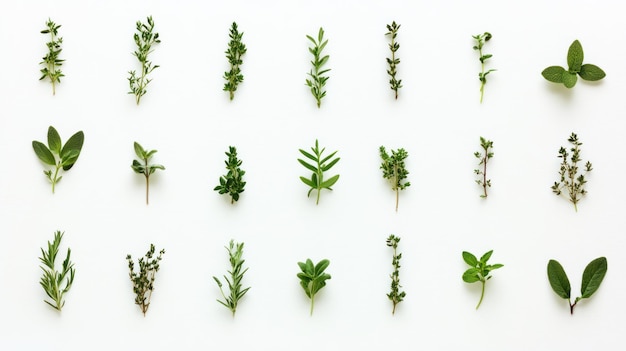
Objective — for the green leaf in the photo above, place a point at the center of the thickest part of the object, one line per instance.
(308, 155)
(54, 140)
(569, 79)
(330, 182)
(139, 151)
(591, 72)
(592, 276)
(471, 275)
(308, 166)
(330, 165)
(73, 144)
(44, 153)
(486, 256)
(575, 57)
(553, 74)
(470, 259)
(558, 279)
(321, 266)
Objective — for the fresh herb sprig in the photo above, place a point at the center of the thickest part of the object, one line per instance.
(313, 278)
(143, 167)
(56, 283)
(592, 278)
(144, 39)
(569, 77)
(317, 182)
(480, 270)
(58, 155)
(570, 178)
(484, 157)
(318, 80)
(395, 170)
(235, 253)
(232, 183)
(51, 61)
(143, 280)
(236, 49)
(481, 39)
(393, 61)
(395, 295)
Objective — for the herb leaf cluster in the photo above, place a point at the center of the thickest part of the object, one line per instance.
(235, 253)
(318, 80)
(144, 39)
(51, 61)
(395, 83)
(395, 295)
(592, 278)
(570, 178)
(232, 183)
(479, 271)
(481, 39)
(312, 278)
(144, 167)
(395, 170)
(143, 280)
(569, 77)
(56, 283)
(236, 49)
(57, 154)
(484, 157)
(317, 182)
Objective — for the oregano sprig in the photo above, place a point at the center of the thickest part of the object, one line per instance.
(59, 155)
(56, 283)
(575, 56)
(236, 292)
(592, 278)
(143, 280)
(317, 182)
(479, 271)
(51, 61)
(571, 179)
(395, 170)
(236, 49)
(318, 80)
(395, 295)
(481, 39)
(144, 39)
(312, 278)
(484, 157)
(232, 183)
(142, 166)
(393, 61)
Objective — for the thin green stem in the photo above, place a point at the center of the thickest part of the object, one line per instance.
(147, 174)
(312, 303)
(482, 82)
(56, 173)
(482, 294)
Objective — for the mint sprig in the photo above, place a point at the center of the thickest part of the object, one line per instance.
(569, 77)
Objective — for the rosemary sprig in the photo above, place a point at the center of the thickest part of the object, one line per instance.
(52, 61)
(393, 61)
(481, 39)
(318, 80)
(487, 145)
(145, 168)
(570, 179)
(232, 183)
(143, 281)
(236, 49)
(56, 283)
(144, 40)
(235, 252)
(395, 295)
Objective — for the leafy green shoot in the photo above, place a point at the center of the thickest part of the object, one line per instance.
(60, 156)
(312, 278)
(318, 80)
(145, 38)
(592, 278)
(232, 183)
(481, 39)
(484, 157)
(236, 49)
(393, 61)
(56, 283)
(317, 182)
(395, 170)
(235, 253)
(51, 61)
(479, 271)
(395, 295)
(576, 68)
(142, 166)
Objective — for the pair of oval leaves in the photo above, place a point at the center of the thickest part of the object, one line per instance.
(592, 278)
(575, 56)
(67, 153)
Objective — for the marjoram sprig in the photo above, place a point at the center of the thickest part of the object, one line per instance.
(236, 49)
(51, 61)
(143, 281)
(484, 157)
(395, 295)
(142, 166)
(393, 61)
(318, 80)
(144, 39)
(481, 39)
(571, 179)
(232, 183)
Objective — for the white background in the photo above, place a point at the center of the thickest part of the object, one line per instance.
(438, 119)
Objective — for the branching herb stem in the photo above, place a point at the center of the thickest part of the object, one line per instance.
(487, 146)
(395, 83)
(481, 39)
(395, 295)
(235, 253)
(144, 39)
(56, 283)
(236, 49)
(318, 80)
(570, 178)
(143, 281)
(52, 61)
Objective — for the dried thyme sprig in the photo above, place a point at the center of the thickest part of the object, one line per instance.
(570, 178)
(395, 295)
(143, 281)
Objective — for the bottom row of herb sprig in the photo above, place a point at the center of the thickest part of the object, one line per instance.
(313, 276)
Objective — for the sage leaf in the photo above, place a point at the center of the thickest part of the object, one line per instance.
(569, 79)
(591, 72)
(43, 153)
(54, 140)
(575, 57)
(553, 74)
(73, 145)
(592, 277)
(558, 279)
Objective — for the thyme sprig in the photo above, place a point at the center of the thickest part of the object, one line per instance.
(144, 39)
(481, 39)
(232, 183)
(56, 283)
(395, 83)
(51, 61)
(570, 178)
(487, 146)
(395, 170)
(143, 280)
(235, 252)
(395, 295)
(236, 49)
(318, 80)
